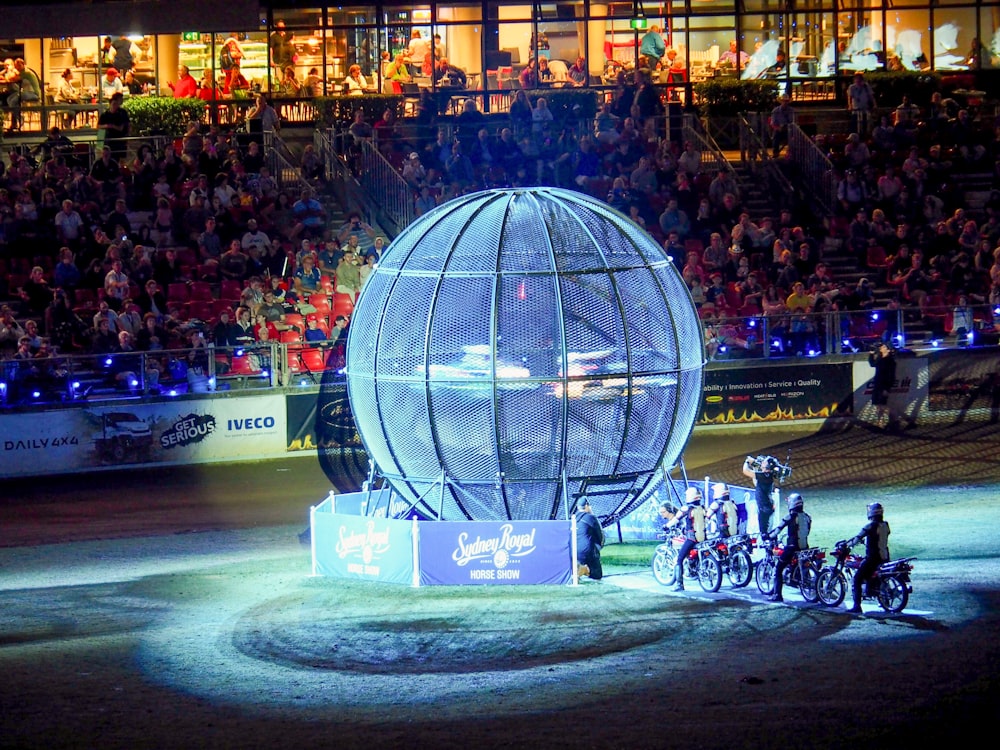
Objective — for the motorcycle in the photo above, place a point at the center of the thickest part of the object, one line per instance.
(665, 559)
(890, 584)
(732, 555)
(802, 572)
(706, 562)
(701, 563)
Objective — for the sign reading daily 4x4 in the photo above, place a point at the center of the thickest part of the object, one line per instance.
(140, 434)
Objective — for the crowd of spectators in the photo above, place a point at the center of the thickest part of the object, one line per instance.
(898, 213)
(192, 246)
(197, 244)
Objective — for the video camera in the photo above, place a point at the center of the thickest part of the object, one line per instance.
(769, 464)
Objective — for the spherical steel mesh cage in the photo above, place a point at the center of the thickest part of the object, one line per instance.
(515, 348)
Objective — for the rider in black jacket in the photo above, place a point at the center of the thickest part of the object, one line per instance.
(876, 537)
(798, 523)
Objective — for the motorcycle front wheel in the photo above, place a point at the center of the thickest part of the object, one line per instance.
(740, 569)
(709, 574)
(892, 595)
(831, 587)
(665, 567)
(807, 584)
(765, 576)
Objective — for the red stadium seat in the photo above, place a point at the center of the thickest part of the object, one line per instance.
(314, 359)
(230, 289)
(242, 365)
(178, 292)
(201, 291)
(321, 302)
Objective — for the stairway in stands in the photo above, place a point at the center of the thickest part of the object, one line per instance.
(755, 197)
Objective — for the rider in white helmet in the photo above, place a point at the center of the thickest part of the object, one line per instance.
(716, 519)
(685, 518)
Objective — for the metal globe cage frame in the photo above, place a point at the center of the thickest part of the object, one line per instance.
(516, 349)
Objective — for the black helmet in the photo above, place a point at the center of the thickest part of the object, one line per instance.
(795, 501)
(874, 510)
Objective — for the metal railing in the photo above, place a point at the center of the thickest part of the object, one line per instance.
(818, 176)
(800, 334)
(712, 157)
(86, 378)
(755, 154)
(340, 181)
(390, 195)
(286, 173)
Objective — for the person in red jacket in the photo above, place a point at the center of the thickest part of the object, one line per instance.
(186, 86)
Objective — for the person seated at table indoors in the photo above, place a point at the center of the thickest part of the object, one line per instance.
(312, 85)
(66, 92)
(446, 74)
(779, 66)
(111, 84)
(208, 89)
(186, 86)
(290, 85)
(355, 84)
(529, 76)
(398, 70)
(545, 75)
(578, 74)
(733, 57)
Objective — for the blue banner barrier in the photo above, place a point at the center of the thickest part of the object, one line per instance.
(362, 548)
(494, 552)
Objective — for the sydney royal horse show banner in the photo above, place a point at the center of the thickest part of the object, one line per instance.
(425, 553)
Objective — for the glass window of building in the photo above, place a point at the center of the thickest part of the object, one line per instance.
(715, 47)
(241, 63)
(811, 45)
(767, 36)
(989, 36)
(561, 38)
(954, 33)
(458, 41)
(860, 40)
(407, 38)
(908, 39)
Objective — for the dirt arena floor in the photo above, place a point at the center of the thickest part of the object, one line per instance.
(173, 609)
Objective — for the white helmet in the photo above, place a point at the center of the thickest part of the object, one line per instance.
(692, 494)
(719, 489)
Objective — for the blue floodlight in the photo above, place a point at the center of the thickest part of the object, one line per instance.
(172, 392)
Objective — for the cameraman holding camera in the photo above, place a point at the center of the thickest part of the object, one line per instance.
(763, 471)
(883, 360)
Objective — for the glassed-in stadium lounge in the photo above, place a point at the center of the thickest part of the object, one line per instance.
(300, 50)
